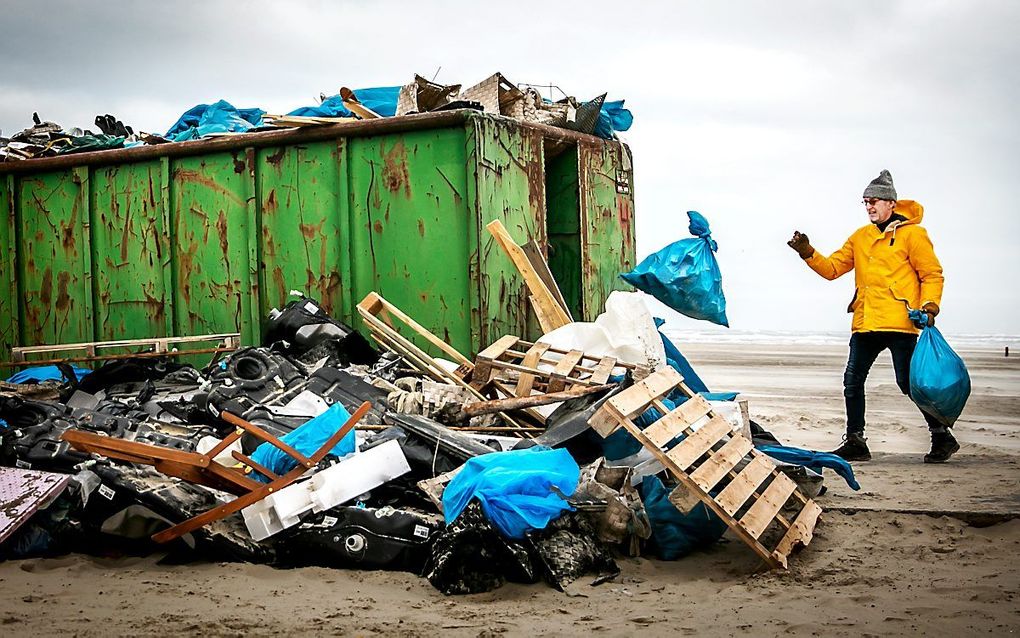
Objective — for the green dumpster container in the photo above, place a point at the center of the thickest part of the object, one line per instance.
(205, 237)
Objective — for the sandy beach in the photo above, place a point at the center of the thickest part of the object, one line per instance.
(920, 549)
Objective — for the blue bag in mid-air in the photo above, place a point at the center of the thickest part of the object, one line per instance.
(939, 381)
(685, 275)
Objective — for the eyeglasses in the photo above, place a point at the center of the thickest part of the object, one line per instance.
(871, 201)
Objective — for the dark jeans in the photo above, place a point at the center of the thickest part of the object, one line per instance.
(864, 349)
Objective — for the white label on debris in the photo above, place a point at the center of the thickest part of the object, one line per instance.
(23, 464)
(421, 531)
(329, 521)
(106, 492)
(311, 308)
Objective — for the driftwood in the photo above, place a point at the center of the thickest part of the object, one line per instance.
(518, 403)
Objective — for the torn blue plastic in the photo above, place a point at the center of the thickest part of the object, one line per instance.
(515, 489)
(685, 275)
(39, 374)
(613, 117)
(382, 100)
(306, 439)
(675, 534)
(812, 460)
(218, 117)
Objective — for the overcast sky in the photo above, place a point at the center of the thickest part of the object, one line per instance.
(765, 116)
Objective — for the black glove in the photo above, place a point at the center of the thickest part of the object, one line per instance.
(801, 244)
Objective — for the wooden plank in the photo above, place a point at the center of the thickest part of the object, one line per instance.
(691, 411)
(373, 304)
(665, 429)
(720, 463)
(743, 485)
(801, 532)
(690, 449)
(531, 401)
(554, 315)
(483, 362)
(764, 510)
(541, 266)
(603, 370)
(526, 382)
(684, 498)
(636, 399)
(562, 371)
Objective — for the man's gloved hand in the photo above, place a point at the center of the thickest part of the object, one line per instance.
(801, 244)
(932, 309)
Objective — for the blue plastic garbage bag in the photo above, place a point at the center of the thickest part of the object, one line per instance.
(685, 275)
(679, 362)
(515, 488)
(812, 460)
(306, 439)
(613, 117)
(674, 533)
(382, 100)
(38, 374)
(219, 117)
(939, 381)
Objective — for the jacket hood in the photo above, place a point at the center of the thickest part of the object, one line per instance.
(910, 209)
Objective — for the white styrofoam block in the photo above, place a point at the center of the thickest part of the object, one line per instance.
(348, 479)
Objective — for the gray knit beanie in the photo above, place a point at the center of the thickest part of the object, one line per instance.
(881, 187)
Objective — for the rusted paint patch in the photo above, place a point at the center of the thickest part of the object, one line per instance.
(395, 176)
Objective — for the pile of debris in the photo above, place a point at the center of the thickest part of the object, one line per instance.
(495, 95)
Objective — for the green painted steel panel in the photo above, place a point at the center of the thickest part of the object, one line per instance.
(409, 219)
(130, 249)
(8, 267)
(607, 222)
(304, 221)
(212, 222)
(564, 224)
(54, 258)
(509, 185)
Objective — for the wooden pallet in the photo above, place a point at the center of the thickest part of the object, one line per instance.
(563, 368)
(158, 346)
(704, 462)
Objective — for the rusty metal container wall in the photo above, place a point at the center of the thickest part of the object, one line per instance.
(198, 241)
(606, 179)
(409, 228)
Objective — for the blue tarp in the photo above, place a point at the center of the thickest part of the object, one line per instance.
(514, 488)
(218, 117)
(45, 373)
(674, 533)
(685, 275)
(382, 100)
(812, 460)
(939, 381)
(679, 362)
(613, 117)
(306, 439)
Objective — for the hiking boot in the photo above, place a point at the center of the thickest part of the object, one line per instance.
(854, 448)
(943, 446)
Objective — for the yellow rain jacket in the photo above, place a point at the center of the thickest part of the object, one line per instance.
(894, 269)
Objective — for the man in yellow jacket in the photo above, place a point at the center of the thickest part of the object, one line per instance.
(895, 269)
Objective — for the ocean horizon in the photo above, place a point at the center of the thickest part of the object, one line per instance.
(825, 338)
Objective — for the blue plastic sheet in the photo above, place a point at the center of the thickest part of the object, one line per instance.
(674, 533)
(812, 460)
(38, 374)
(514, 488)
(382, 100)
(685, 275)
(939, 381)
(219, 117)
(679, 362)
(613, 117)
(306, 439)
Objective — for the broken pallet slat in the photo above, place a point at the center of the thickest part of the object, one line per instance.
(801, 532)
(563, 370)
(526, 382)
(603, 370)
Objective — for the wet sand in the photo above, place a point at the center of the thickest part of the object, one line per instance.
(920, 549)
